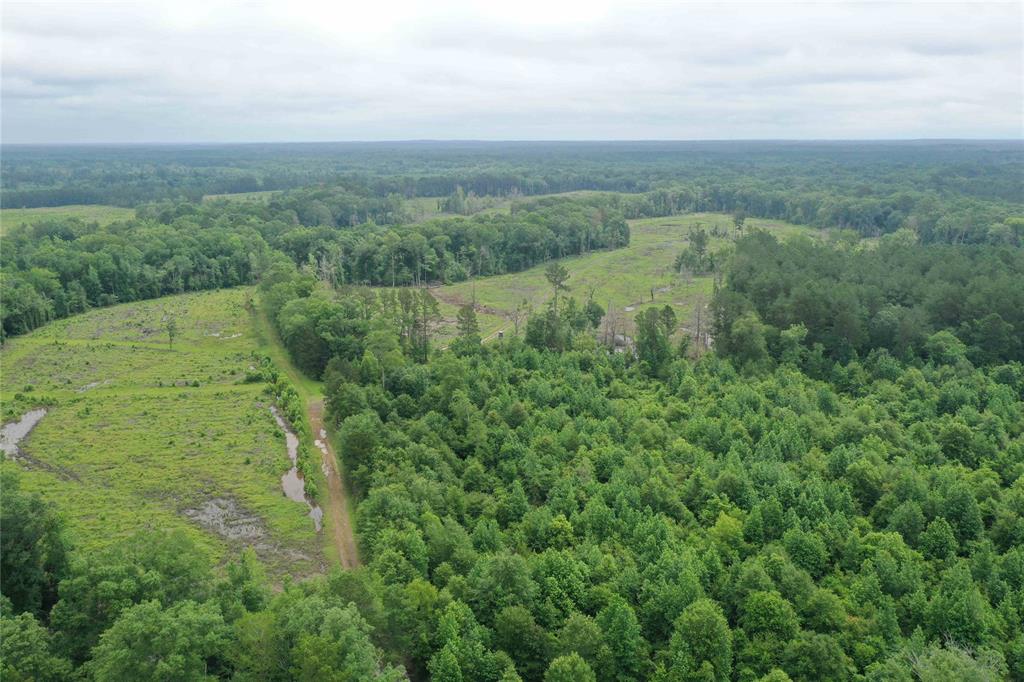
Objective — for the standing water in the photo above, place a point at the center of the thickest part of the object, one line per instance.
(291, 482)
(14, 432)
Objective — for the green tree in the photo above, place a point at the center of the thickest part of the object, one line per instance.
(428, 312)
(468, 328)
(580, 635)
(768, 614)
(775, 675)
(739, 218)
(149, 566)
(245, 588)
(807, 550)
(594, 313)
(33, 555)
(517, 634)
(359, 436)
(747, 340)
(961, 509)
(569, 668)
(26, 652)
(654, 328)
(557, 276)
(701, 645)
(957, 442)
(151, 642)
(960, 611)
(340, 649)
(498, 581)
(171, 327)
(623, 655)
(908, 520)
(461, 651)
(812, 657)
(699, 241)
(549, 330)
(444, 666)
(945, 348)
(938, 541)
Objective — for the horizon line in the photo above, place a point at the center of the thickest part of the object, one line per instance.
(158, 143)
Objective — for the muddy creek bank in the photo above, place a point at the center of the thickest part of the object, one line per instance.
(15, 432)
(292, 483)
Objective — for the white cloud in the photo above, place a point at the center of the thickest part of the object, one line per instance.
(212, 71)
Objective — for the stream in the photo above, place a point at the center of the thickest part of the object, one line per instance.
(15, 432)
(292, 483)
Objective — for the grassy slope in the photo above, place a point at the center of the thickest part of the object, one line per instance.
(621, 279)
(130, 443)
(104, 215)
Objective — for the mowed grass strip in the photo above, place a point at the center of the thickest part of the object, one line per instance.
(140, 434)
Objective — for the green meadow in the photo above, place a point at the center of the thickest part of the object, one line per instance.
(141, 434)
(623, 281)
(104, 215)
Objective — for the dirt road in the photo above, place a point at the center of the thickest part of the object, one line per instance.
(337, 505)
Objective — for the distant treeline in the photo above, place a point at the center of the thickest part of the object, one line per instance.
(932, 216)
(341, 234)
(56, 268)
(868, 186)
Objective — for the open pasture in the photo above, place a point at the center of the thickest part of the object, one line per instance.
(141, 433)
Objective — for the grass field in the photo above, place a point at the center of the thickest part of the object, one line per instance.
(244, 196)
(104, 215)
(141, 435)
(622, 280)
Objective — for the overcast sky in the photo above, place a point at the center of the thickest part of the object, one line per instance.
(508, 69)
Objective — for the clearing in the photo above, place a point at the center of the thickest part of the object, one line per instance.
(622, 280)
(140, 435)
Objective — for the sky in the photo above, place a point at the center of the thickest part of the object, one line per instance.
(182, 71)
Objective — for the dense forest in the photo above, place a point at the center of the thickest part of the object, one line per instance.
(534, 514)
(356, 234)
(947, 190)
(833, 491)
(845, 302)
(355, 226)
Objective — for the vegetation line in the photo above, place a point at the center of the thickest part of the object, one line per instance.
(336, 504)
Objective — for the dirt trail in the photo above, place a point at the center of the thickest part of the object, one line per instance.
(337, 504)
